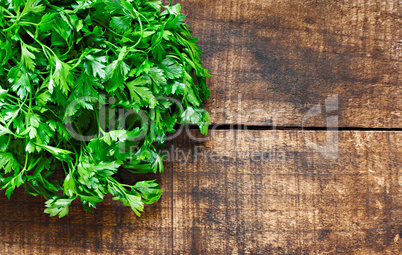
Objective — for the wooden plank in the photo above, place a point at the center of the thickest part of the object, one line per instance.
(282, 57)
(238, 194)
(271, 61)
(271, 192)
(111, 229)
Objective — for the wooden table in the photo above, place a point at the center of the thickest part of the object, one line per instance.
(303, 187)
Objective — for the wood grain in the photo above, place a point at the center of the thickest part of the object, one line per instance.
(264, 192)
(111, 229)
(237, 194)
(271, 61)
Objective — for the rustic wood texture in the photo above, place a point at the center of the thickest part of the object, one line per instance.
(112, 229)
(279, 196)
(271, 61)
(237, 194)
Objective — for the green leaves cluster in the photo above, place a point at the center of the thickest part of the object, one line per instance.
(65, 66)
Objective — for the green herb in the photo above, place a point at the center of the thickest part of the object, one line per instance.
(89, 87)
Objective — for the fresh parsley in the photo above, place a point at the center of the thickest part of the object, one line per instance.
(91, 86)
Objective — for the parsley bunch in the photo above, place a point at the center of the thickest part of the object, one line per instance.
(91, 86)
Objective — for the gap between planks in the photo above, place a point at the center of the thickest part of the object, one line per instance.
(242, 127)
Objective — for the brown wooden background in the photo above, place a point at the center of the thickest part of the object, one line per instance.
(265, 191)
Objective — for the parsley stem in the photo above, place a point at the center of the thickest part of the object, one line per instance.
(8, 12)
(8, 142)
(40, 43)
(29, 23)
(141, 28)
(79, 131)
(28, 115)
(16, 102)
(13, 97)
(47, 108)
(178, 52)
(26, 161)
(64, 169)
(77, 156)
(16, 114)
(80, 59)
(90, 154)
(117, 184)
(17, 136)
(12, 26)
(27, 121)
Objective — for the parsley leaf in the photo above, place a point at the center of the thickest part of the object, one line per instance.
(86, 89)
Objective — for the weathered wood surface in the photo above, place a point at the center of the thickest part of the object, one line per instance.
(237, 194)
(271, 61)
(111, 229)
(278, 196)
